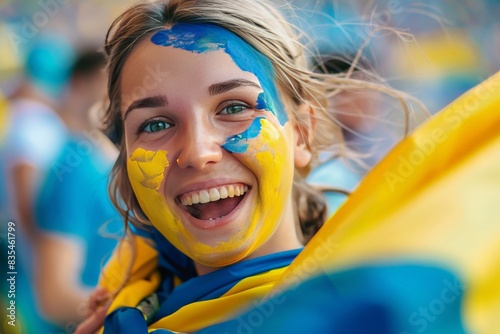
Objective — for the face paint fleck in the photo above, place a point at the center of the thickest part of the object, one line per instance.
(239, 143)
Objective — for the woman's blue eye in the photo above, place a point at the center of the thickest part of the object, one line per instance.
(156, 126)
(234, 109)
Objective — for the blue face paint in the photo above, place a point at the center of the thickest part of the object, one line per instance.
(263, 104)
(189, 37)
(200, 38)
(239, 143)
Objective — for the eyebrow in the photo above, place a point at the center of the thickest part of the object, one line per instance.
(147, 102)
(214, 89)
(222, 87)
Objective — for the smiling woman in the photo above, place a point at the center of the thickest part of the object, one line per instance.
(211, 158)
(220, 118)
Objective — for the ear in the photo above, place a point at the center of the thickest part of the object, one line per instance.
(303, 132)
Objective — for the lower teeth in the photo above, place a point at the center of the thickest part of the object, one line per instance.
(215, 218)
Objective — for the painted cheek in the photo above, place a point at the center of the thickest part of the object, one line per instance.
(146, 170)
(264, 150)
(276, 179)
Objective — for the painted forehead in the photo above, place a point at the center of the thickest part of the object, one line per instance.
(200, 38)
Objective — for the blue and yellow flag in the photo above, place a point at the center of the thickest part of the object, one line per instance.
(415, 249)
(433, 203)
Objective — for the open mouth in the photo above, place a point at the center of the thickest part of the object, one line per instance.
(213, 203)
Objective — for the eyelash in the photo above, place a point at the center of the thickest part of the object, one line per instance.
(235, 103)
(151, 122)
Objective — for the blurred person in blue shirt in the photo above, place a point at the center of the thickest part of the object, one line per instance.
(78, 225)
(56, 165)
(35, 130)
(33, 137)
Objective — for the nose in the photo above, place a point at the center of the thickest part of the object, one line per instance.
(200, 146)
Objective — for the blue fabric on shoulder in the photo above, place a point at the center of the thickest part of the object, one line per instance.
(378, 299)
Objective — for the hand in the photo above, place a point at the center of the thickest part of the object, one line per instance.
(99, 302)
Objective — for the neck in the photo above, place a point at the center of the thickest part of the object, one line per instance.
(284, 238)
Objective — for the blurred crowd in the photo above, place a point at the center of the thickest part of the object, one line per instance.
(55, 162)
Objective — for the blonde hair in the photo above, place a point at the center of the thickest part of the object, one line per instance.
(259, 23)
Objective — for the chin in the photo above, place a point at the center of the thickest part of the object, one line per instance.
(223, 255)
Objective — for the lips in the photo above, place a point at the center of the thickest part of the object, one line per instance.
(213, 203)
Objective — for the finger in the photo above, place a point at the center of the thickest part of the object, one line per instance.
(93, 323)
(97, 298)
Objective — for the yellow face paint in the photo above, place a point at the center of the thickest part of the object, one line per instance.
(268, 157)
(146, 170)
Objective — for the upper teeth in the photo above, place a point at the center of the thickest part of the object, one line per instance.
(213, 194)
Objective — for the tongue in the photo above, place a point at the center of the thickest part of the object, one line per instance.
(212, 210)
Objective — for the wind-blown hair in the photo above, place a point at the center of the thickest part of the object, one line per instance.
(259, 23)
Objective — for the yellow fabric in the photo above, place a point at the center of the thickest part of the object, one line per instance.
(134, 258)
(202, 314)
(435, 198)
